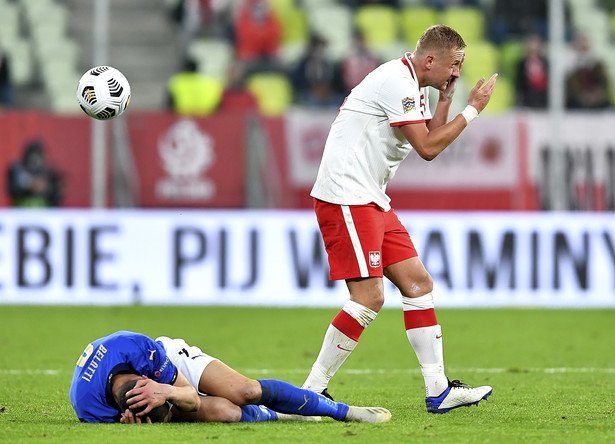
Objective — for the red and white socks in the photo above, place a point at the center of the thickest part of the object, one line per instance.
(342, 336)
(340, 340)
(425, 336)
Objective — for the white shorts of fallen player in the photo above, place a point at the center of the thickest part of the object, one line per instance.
(189, 360)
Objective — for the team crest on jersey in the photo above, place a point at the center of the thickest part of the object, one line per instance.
(409, 104)
(374, 259)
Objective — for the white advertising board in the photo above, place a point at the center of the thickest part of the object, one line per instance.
(277, 258)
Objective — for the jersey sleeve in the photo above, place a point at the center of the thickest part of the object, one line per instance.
(400, 99)
(155, 364)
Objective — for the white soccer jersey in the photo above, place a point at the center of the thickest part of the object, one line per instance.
(364, 147)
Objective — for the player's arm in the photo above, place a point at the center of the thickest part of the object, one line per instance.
(430, 140)
(151, 394)
(440, 117)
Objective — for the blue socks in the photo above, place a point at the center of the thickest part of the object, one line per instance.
(257, 413)
(286, 398)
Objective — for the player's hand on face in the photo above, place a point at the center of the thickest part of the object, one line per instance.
(448, 93)
(481, 93)
(146, 393)
(128, 417)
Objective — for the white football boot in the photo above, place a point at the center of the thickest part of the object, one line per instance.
(456, 395)
(292, 417)
(368, 414)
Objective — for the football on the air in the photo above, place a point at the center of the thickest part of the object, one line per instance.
(103, 92)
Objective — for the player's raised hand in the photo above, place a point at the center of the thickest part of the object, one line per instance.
(147, 395)
(481, 93)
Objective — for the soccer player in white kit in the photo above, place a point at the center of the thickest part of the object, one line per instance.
(380, 122)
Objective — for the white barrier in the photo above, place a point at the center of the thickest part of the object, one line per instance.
(277, 258)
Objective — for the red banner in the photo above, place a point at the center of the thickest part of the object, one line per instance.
(67, 149)
(189, 162)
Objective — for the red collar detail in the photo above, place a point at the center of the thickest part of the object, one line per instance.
(406, 62)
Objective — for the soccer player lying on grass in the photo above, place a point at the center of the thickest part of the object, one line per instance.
(130, 378)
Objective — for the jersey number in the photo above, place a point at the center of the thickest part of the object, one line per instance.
(185, 352)
(85, 355)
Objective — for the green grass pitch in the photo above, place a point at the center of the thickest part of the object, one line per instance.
(553, 373)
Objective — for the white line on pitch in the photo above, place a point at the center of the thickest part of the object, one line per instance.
(5, 371)
(371, 371)
(366, 371)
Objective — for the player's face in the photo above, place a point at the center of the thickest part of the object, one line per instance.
(447, 66)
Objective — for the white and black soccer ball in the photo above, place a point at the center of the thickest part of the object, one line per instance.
(103, 92)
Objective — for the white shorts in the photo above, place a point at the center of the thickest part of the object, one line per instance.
(188, 359)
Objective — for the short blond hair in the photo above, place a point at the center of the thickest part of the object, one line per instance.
(439, 37)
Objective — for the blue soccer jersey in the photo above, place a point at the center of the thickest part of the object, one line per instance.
(117, 353)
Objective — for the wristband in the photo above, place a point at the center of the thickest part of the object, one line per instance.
(469, 113)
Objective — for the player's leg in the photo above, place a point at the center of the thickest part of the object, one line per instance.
(216, 409)
(279, 397)
(422, 329)
(220, 380)
(284, 397)
(212, 409)
(342, 335)
(425, 336)
(353, 237)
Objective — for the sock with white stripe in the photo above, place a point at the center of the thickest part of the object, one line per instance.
(257, 413)
(425, 336)
(340, 340)
(286, 398)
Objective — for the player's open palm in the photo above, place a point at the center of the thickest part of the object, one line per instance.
(481, 93)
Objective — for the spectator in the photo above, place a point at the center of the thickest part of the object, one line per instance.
(316, 79)
(191, 93)
(587, 84)
(30, 182)
(517, 19)
(359, 62)
(201, 17)
(532, 77)
(236, 95)
(258, 35)
(6, 94)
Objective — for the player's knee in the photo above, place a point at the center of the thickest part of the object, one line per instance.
(419, 285)
(424, 284)
(367, 292)
(377, 301)
(249, 392)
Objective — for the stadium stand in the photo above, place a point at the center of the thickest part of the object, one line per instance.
(414, 20)
(9, 22)
(143, 44)
(481, 60)
(378, 24)
(53, 38)
(273, 92)
(296, 30)
(17, 48)
(510, 52)
(468, 21)
(213, 56)
(334, 23)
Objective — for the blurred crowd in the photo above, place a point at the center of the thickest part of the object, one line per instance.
(318, 80)
(261, 66)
